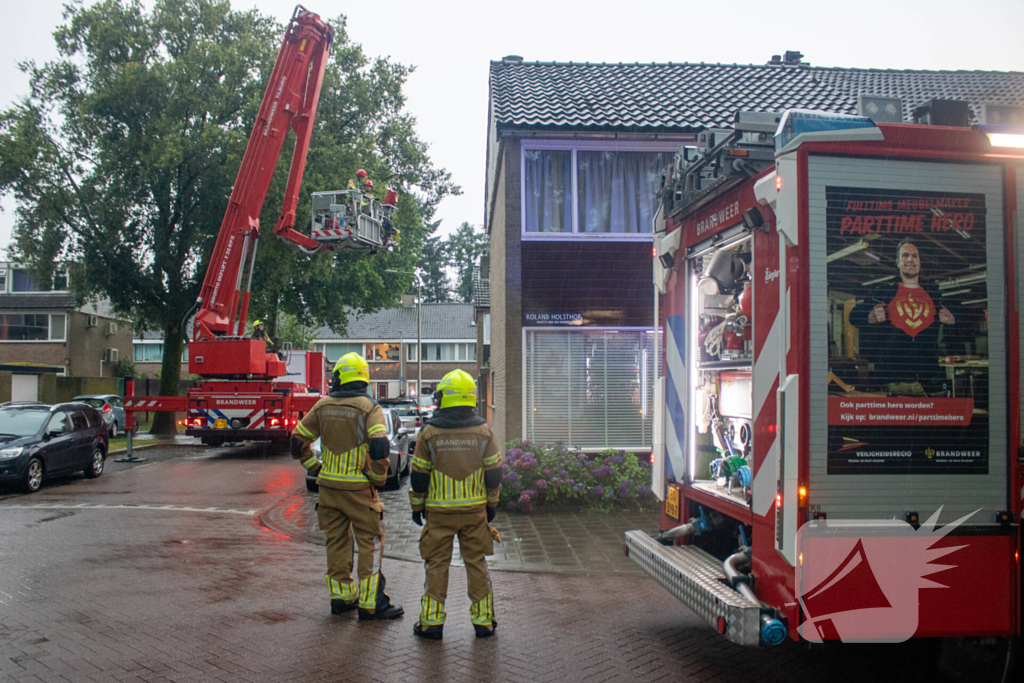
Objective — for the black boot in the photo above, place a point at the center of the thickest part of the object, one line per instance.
(484, 632)
(340, 606)
(384, 609)
(435, 632)
(389, 612)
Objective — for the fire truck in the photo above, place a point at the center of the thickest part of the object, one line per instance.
(838, 407)
(246, 392)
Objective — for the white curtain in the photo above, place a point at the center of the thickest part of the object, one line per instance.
(548, 178)
(616, 190)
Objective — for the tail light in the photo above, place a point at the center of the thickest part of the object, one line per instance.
(106, 408)
(417, 422)
(274, 421)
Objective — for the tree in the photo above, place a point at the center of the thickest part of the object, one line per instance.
(123, 155)
(464, 248)
(433, 268)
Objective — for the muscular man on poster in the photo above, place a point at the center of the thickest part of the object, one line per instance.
(901, 322)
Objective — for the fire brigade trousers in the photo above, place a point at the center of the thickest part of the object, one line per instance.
(342, 515)
(475, 541)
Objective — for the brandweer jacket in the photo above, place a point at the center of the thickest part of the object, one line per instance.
(345, 422)
(457, 464)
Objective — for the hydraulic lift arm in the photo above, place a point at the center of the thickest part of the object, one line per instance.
(290, 100)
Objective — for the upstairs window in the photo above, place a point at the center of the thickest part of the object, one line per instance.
(21, 281)
(592, 190)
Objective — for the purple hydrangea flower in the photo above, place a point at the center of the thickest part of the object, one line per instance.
(601, 472)
(515, 452)
(598, 490)
(541, 484)
(511, 477)
(624, 487)
(547, 472)
(617, 460)
(526, 507)
(607, 461)
(622, 452)
(511, 505)
(581, 456)
(623, 494)
(643, 490)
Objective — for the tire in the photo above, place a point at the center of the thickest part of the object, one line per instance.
(405, 470)
(33, 480)
(113, 430)
(96, 463)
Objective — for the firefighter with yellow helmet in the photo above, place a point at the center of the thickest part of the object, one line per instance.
(455, 482)
(356, 453)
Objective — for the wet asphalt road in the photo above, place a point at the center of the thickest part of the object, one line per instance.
(161, 572)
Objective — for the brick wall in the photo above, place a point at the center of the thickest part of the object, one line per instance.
(44, 353)
(506, 298)
(86, 345)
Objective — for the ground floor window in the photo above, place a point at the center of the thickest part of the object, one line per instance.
(589, 389)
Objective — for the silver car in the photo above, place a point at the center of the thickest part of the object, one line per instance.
(111, 409)
(402, 444)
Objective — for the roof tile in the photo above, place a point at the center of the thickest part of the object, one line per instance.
(688, 97)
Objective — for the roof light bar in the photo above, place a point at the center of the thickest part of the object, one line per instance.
(804, 125)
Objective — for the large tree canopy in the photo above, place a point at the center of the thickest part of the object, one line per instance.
(122, 157)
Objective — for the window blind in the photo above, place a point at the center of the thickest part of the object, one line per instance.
(590, 389)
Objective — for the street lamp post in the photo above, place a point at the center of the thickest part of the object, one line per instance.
(419, 331)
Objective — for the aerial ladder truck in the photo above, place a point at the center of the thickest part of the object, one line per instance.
(243, 393)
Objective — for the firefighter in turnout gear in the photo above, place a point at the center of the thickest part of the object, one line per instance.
(455, 482)
(356, 453)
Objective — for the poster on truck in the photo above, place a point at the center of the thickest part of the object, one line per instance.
(908, 338)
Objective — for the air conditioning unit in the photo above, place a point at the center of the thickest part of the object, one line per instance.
(110, 329)
(92, 320)
(110, 356)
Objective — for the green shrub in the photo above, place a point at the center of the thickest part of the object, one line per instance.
(552, 476)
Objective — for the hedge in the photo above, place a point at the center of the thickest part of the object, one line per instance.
(553, 476)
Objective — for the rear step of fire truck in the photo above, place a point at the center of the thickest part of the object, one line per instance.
(698, 580)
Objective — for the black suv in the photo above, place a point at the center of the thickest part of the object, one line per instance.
(39, 440)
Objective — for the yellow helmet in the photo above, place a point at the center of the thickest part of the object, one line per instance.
(352, 368)
(256, 323)
(457, 389)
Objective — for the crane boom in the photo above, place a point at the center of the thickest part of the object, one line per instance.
(290, 100)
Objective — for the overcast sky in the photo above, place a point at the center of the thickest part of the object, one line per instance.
(452, 42)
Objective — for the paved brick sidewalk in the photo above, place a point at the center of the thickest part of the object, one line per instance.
(585, 543)
(160, 573)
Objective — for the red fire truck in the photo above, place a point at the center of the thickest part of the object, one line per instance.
(838, 412)
(246, 392)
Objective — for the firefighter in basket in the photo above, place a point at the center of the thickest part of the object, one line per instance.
(357, 182)
(356, 453)
(258, 332)
(455, 482)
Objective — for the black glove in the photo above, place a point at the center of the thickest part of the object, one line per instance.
(417, 517)
(490, 514)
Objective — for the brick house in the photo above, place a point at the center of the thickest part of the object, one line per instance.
(387, 339)
(148, 354)
(574, 157)
(44, 325)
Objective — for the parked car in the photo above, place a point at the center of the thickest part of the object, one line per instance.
(411, 415)
(111, 408)
(401, 453)
(38, 441)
